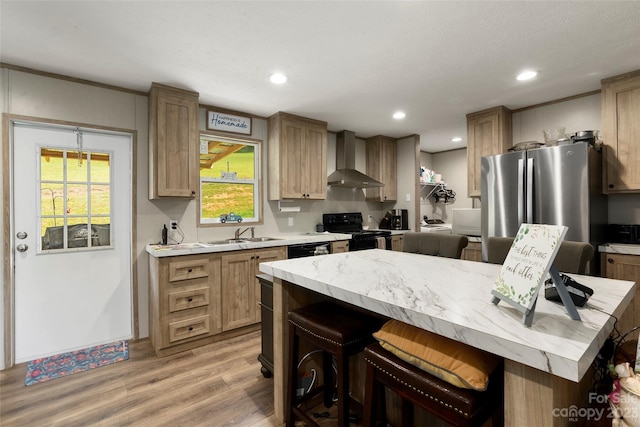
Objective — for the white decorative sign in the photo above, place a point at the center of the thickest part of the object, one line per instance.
(228, 122)
(527, 264)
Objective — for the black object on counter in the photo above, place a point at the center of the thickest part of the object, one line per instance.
(164, 234)
(579, 293)
(621, 233)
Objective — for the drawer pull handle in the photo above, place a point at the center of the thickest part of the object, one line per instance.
(610, 260)
(190, 299)
(190, 328)
(190, 270)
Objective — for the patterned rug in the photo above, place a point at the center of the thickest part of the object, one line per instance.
(65, 364)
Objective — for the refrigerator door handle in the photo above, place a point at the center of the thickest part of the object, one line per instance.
(521, 205)
(530, 190)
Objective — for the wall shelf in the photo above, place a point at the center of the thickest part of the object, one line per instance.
(434, 186)
(439, 191)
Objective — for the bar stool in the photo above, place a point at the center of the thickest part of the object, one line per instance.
(417, 387)
(338, 332)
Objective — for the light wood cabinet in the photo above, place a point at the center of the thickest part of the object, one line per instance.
(382, 165)
(339, 246)
(396, 242)
(624, 267)
(489, 132)
(621, 133)
(473, 252)
(173, 142)
(241, 288)
(297, 158)
(184, 301)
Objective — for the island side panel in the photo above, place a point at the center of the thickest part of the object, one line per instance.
(286, 297)
(537, 398)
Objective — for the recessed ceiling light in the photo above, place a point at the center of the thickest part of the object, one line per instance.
(399, 115)
(527, 75)
(278, 78)
(456, 139)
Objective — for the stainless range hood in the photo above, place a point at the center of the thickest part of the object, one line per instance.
(346, 174)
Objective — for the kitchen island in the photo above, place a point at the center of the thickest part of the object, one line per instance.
(545, 365)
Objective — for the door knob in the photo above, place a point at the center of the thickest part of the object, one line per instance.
(21, 235)
(22, 247)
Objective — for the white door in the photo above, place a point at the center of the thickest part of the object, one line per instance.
(71, 239)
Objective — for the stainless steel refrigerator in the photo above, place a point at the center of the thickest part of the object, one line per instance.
(560, 185)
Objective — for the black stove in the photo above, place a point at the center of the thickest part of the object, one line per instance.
(351, 223)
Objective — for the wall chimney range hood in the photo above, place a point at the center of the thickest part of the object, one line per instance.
(346, 174)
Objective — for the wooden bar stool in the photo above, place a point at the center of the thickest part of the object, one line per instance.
(416, 387)
(338, 332)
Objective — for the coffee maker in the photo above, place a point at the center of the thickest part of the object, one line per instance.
(400, 219)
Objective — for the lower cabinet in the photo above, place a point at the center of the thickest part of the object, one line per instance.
(198, 299)
(396, 242)
(339, 246)
(473, 252)
(624, 267)
(184, 300)
(240, 287)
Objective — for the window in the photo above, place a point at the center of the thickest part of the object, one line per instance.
(229, 180)
(75, 199)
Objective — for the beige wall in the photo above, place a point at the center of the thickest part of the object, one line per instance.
(39, 96)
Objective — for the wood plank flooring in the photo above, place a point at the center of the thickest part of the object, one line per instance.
(215, 385)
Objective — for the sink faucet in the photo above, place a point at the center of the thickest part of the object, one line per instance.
(240, 233)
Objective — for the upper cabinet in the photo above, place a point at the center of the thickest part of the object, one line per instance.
(173, 142)
(382, 165)
(621, 133)
(489, 132)
(297, 158)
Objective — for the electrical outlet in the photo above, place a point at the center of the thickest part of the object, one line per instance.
(408, 197)
(290, 221)
(174, 224)
(370, 218)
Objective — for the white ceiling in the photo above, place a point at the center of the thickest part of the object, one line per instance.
(351, 64)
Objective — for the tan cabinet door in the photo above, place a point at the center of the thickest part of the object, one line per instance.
(624, 267)
(238, 290)
(621, 134)
(316, 162)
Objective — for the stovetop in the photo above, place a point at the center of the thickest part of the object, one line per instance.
(350, 223)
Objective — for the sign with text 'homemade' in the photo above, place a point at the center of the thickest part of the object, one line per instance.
(228, 122)
(527, 264)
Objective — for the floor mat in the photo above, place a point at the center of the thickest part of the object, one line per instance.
(65, 364)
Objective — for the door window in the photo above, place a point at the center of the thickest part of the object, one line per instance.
(74, 200)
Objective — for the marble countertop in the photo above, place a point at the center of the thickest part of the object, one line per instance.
(452, 298)
(620, 248)
(159, 251)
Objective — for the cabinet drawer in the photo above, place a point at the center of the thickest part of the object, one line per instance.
(188, 328)
(188, 269)
(183, 300)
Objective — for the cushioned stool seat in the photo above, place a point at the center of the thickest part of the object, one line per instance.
(457, 406)
(336, 331)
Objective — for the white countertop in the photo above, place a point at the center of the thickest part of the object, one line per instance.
(452, 298)
(159, 251)
(620, 248)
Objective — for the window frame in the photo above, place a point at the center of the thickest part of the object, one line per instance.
(257, 181)
(87, 153)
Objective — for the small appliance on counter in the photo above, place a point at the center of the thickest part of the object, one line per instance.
(624, 233)
(396, 219)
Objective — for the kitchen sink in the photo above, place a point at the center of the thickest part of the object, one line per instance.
(228, 241)
(261, 239)
(251, 240)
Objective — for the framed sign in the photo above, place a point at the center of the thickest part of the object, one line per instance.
(228, 122)
(527, 265)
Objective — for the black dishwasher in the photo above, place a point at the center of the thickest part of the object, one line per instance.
(266, 302)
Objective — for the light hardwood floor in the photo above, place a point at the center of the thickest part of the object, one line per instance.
(215, 385)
